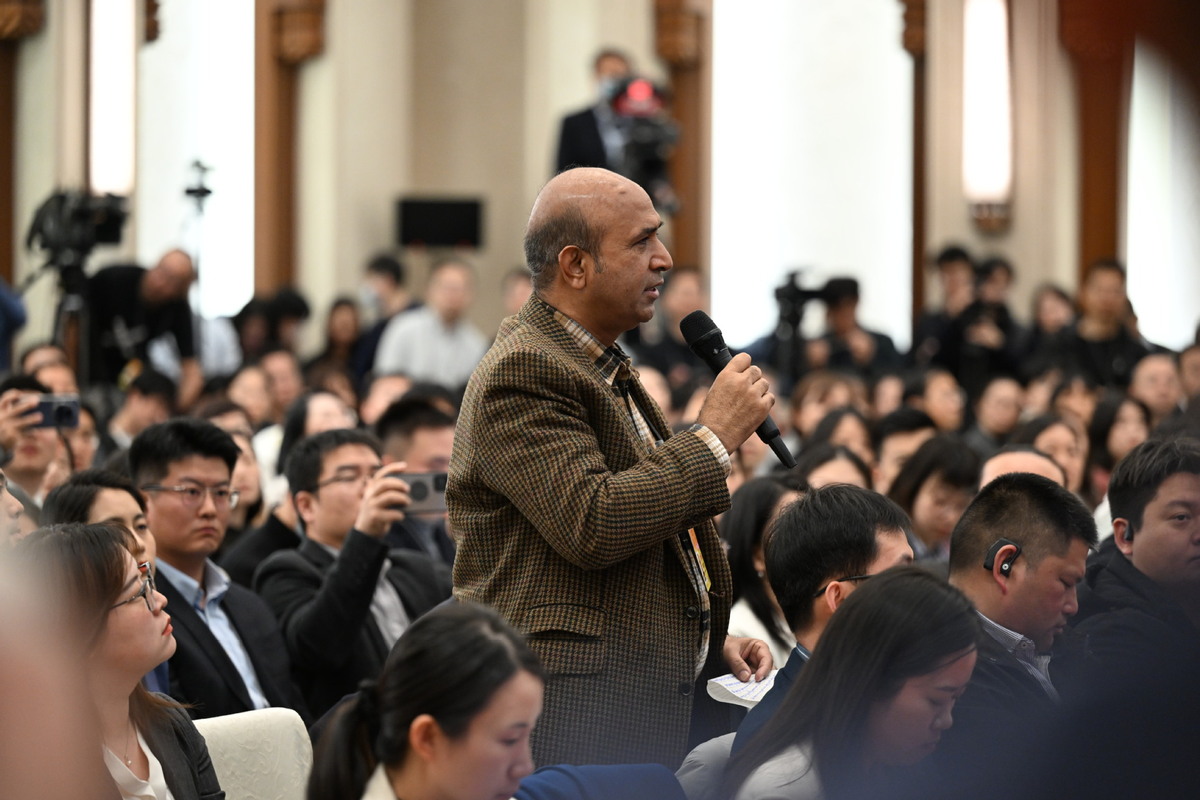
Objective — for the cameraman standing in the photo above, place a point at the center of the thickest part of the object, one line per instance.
(128, 307)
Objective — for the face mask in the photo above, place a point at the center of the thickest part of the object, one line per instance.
(369, 301)
(608, 88)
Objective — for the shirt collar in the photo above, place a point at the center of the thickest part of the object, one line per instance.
(1021, 647)
(607, 359)
(216, 583)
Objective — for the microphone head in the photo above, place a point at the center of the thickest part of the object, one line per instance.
(696, 325)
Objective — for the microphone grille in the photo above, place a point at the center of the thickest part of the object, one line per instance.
(695, 325)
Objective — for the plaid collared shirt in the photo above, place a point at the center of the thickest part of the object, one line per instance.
(1023, 650)
(614, 368)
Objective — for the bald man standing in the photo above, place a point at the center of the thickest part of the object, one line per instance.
(579, 515)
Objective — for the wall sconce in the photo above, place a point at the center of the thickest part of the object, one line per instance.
(987, 114)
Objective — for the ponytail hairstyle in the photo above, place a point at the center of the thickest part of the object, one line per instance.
(448, 664)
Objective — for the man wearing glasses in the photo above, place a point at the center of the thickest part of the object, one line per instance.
(343, 597)
(230, 656)
(822, 547)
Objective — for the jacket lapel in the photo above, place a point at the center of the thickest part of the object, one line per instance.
(188, 622)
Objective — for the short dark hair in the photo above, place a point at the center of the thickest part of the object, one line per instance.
(388, 266)
(303, 468)
(1030, 510)
(992, 265)
(827, 534)
(610, 52)
(952, 254)
(840, 290)
(545, 240)
(905, 419)
(72, 500)
(1103, 264)
(155, 449)
(943, 456)
(1137, 476)
(151, 383)
(409, 414)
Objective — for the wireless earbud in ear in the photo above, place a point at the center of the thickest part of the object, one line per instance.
(989, 561)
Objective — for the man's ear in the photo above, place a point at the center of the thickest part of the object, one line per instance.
(1004, 564)
(304, 502)
(1123, 536)
(572, 266)
(836, 594)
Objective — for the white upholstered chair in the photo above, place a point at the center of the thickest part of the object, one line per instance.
(259, 755)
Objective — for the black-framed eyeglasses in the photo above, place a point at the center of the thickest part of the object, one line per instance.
(146, 592)
(192, 495)
(836, 580)
(350, 475)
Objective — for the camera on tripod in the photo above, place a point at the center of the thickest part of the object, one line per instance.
(69, 224)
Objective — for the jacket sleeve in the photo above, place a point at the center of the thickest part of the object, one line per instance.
(533, 439)
(322, 614)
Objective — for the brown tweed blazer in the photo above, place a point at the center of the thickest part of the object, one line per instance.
(569, 526)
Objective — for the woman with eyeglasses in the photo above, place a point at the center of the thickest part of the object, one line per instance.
(113, 613)
(876, 694)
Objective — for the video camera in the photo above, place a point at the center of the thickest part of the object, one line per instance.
(640, 108)
(69, 224)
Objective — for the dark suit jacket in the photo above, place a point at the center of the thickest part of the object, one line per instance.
(203, 676)
(579, 142)
(569, 525)
(181, 750)
(771, 701)
(409, 534)
(243, 558)
(1002, 707)
(324, 608)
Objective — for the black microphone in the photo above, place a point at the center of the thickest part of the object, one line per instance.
(706, 341)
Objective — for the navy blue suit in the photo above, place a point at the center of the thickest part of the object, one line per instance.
(772, 700)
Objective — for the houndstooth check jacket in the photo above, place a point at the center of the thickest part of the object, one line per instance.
(569, 526)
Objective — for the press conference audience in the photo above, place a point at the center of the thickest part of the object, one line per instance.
(114, 620)
(934, 487)
(343, 597)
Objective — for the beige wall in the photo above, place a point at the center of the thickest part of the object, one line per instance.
(1041, 242)
(50, 141)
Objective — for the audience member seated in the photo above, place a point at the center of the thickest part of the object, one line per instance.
(956, 276)
(231, 656)
(1075, 395)
(1139, 608)
(936, 392)
(1156, 383)
(38, 462)
(877, 693)
(1119, 425)
(820, 392)
(379, 392)
(1052, 309)
(437, 342)
(421, 436)
(1189, 373)
(934, 487)
(846, 346)
(822, 464)
(84, 439)
(1018, 553)
(682, 293)
(249, 388)
(1098, 343)
(1061, 438)
(151, 747)
(149, 400)
(755, 612)
(384, 285)
(984, 340)
(845, 427)
(895, 438)
(342, 598)
(1021, 458)
(460, 683)
(997, 413)
(822, 548)
(341, 334)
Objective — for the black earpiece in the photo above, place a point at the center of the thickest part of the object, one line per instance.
(989, 561)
